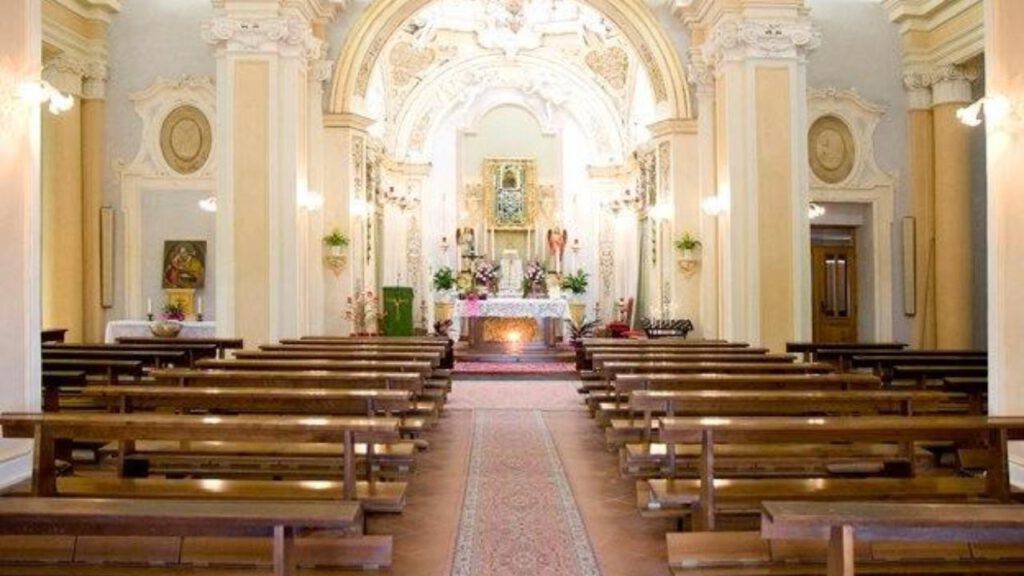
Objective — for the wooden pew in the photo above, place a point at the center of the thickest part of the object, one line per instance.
(682, 342)
(249, 458)
(54, 382)
(844, 524)
(193, 350)
(410, 341)
(53, 335)
(422, 368)
(152, 358)
(887, 538)
(610, 371)
(222, 344)
(811, 349)
(40, 529)
(921, 375)
(976, 389)
(588, 346)
(109, 370)
(882, 364)
(48, 429)
(704, 494)
(434, 358)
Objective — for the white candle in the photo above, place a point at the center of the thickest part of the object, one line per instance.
(149, 305)
(199, 306)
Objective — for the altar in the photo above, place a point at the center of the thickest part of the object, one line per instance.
(512, 320)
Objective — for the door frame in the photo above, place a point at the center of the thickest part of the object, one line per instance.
(880, 201)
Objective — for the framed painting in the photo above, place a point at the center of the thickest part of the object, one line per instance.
(184, 264)
(511, 195)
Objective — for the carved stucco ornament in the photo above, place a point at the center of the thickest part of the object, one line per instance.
(831, 149)
(186, 139)
(611, 64)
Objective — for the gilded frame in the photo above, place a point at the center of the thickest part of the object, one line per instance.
(491, 170)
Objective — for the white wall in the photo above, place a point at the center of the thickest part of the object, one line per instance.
(175, 215)
(147, 40)
(510, 132)
(860, 49)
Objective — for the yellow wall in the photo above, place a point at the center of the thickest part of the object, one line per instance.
(922, 189)
(775, 205)
(251, 187)
(62, 221)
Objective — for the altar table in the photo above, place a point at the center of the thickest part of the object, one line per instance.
(549, 311)
(140, 329)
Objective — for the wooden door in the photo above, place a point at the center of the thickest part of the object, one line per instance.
(834, 273)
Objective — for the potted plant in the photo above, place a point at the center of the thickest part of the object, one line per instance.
(689, 252)
(444, 285)
(486, 277)
(335, 258)
(576, 285)
(534, 280)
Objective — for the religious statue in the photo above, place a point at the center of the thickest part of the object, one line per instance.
(557, 239)
(466, 239)
(511, 283)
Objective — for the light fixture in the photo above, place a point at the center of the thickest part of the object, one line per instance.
(627, 200)
(208, 204)
(996, 109)
(41, 92)
(401, 201)
(661, 211)
(714, 205)
(815, 211)
(360, 208)
(310, 200)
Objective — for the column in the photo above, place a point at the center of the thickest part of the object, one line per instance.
(759, 52)
(263, 53)
(20, 60)
(313, 313)
(953, 247)
(1004, 60)
(921, 142)
(94, 117)
(709, 324)
(344, 188)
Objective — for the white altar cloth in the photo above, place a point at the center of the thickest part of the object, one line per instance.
(140, 329)
(513, 308)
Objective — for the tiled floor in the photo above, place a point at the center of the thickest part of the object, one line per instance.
(625, 544)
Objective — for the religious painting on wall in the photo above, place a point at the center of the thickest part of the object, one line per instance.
(511, 193)
(184, 264)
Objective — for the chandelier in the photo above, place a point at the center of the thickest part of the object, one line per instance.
(626, 200)
(401, 201)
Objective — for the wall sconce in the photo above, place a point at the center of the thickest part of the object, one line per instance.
(662, 211)
(714, 205)
(815, 211)
(996, 109)
(208, 204)
(41, 92)
(360, 208)
(627, 200)
(310, 201)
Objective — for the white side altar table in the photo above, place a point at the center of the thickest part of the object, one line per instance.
(549, 311)
(140, 329)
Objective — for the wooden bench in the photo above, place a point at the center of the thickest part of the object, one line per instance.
(589, 346)
(976, 388)
(153, 358)
(414, 341)
(921, 375)
(53, 335)
(68, 536)
(811, 349)
(192, 350)
(422, 368)
(972, 528)
(701, 494)
(434, 358)
(48, 429)
(109, 370)
(882, 364)
(222, 344)
(57, 381)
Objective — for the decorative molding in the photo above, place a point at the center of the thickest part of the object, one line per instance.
(289, 36)
(76, 75)
(743, 39)
(321, 70)
(150, 171)
(672, 126)
(930, 86)
(866, 184)
(938, 32)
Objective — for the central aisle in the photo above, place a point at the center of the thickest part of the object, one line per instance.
(519, 515)
(517, 482)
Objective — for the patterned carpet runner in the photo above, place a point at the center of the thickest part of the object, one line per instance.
(519, 516)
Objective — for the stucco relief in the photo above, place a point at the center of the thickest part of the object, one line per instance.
(611, 64)
(186, 139)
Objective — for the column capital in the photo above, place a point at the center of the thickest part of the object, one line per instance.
(700, 72)
(83, 77)
(952, 84)
(284, 35)
(739, 39)
(919, 90)
(321, 69)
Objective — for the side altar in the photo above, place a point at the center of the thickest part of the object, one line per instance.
(513, 320)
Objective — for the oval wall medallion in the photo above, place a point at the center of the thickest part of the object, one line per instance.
(831, 149)
(185, 139)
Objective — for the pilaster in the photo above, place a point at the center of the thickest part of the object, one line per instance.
(757, 52)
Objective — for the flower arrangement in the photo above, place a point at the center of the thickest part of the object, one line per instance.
(362, 310)
(174, 311)
(336, 239)
(487, 275)
(444, 279)
(534, 279)
(576, 283)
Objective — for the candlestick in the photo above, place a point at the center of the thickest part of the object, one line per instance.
(199, 306)
(149, 306)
